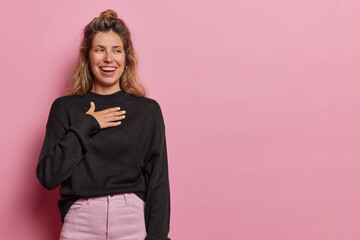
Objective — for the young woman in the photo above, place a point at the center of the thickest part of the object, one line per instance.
(105, 144)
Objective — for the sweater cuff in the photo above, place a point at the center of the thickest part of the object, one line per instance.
(86, 124)
(156, 238)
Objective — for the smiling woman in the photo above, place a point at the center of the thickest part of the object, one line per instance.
(106, 43)
(113, 170)
(107, 62)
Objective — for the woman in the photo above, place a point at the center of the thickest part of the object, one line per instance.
(105, 144)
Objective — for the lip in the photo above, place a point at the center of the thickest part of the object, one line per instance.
(108, 66)
(108, 73)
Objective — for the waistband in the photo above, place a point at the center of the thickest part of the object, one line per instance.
(121, 196)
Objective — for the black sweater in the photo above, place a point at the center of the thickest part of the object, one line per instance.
(89, 161)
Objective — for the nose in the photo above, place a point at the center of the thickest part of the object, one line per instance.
(108, 57)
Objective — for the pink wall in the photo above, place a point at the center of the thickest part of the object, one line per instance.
(260, 99)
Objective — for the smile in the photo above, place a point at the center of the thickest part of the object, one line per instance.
(108, 70)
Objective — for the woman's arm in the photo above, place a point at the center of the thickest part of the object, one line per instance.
(157, 205)
(63, 145)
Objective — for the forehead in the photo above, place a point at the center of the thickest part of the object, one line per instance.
(107, 39)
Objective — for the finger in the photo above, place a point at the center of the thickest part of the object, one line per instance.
(114, 114)
(116, 118)
(118, 113)
(112, 124)
(92, 107)
(109, 110)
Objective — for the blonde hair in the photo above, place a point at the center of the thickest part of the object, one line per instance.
(83, 78)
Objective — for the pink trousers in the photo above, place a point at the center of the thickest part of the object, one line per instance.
(119, 216)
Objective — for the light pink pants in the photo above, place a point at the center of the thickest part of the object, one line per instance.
(119, 216)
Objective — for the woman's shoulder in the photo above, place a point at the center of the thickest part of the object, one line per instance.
(64, 102)
(63, 99)
(147, 102)
(150, 106)
(154, 107)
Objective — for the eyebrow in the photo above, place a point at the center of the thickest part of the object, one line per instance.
(104, 47)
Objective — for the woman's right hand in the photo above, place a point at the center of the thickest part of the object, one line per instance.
(109, 117)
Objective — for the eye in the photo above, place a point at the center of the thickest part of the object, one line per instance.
(98, 50)
(118, 50)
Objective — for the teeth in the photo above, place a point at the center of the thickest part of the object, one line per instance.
(108, 69)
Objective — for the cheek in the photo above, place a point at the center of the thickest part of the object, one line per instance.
(121, 60)
(93, 61)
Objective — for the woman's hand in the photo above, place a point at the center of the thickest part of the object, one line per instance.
(108, 117)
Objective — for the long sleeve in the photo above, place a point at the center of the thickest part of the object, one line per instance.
(64, 144)
(157, 204)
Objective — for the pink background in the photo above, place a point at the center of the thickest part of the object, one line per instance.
(260, 99)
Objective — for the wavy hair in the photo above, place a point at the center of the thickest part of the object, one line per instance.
(82, 77)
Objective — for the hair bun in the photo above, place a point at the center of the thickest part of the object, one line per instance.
(108, 14)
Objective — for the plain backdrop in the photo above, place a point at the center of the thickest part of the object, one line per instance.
(260, 100)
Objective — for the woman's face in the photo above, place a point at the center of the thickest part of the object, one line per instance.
(107, 51)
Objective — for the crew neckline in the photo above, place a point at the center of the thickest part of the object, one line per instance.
(105, 98)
